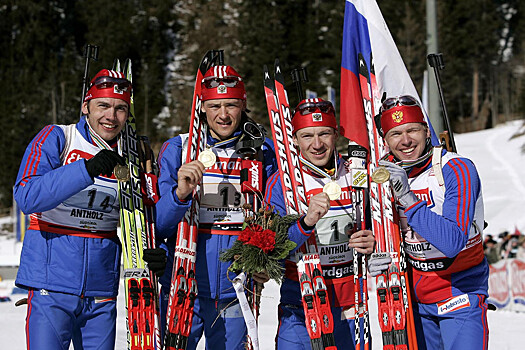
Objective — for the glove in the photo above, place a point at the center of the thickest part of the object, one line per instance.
(399, 183)
(103, 163)
(378, 262)
(156, 259)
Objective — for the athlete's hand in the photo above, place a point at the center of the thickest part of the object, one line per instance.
(190, 175)
(318, 207)
(399, 183)
(363, 241)
(156, 260)
(378, 263)
(103, 163)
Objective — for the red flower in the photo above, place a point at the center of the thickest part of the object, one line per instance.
(256, 236)
(249, 232)
(267, 242)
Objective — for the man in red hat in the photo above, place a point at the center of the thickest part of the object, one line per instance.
(217, 313)
(70, 261)
(331, 216)
(441, 209)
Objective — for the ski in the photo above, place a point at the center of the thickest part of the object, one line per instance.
(357, 156)
(319, 321)
(360, 284)
(141, 297)
(183, 289)
(249, 146)
(392, 286)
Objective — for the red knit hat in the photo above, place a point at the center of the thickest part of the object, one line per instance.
(313, 112)
(109, 83)
(222, 82)
(400, 115)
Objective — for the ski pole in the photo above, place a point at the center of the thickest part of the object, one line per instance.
(90, 53)
(298, 76)
(435, 60)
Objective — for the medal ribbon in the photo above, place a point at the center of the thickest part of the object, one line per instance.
(99, 141)
(319, 171)
(220, 143)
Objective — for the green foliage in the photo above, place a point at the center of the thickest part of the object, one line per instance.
(250, 258)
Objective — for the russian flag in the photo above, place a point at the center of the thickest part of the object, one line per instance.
(365, 31)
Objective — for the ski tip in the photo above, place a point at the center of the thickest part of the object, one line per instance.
(266, 74)
(116, 65)
(277, 66)
(127, 69)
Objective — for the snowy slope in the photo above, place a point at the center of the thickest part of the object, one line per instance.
(501, 165)
(500, 161)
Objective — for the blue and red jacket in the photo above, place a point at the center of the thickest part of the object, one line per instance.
(63, 250)
(443, 231)
(211, 273)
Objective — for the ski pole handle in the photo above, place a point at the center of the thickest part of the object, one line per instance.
(298, 76)
(435, 60)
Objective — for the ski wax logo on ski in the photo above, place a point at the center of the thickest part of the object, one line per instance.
(312, 258)
(317, 117)
(150, 188)
(453, 304)
(185, 252)
(359, 178)
(255, 176)
(135, 273)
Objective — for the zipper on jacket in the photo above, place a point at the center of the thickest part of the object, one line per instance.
(85, 267)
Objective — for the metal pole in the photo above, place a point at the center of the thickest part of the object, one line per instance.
(432, 46)
(91, 53)
(436, 62)
(298, 76)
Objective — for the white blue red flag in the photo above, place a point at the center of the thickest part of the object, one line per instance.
(365, 31)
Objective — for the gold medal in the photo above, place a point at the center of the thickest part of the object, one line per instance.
(121, 172)
(333, 190)
(380, 175)
(207, 158)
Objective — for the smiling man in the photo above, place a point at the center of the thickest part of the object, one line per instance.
(331, 220)
(441, 209)
(70, 262)
(216, 314)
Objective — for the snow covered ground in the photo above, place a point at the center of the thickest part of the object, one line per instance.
(501, 164)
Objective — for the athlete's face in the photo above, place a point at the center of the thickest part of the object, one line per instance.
(223, 116)
(407, 141)
(106, 116)
(316, 143)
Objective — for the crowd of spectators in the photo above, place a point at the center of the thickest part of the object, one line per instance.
(505, 246)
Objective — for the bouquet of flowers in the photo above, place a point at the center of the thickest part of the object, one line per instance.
(262, 243)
